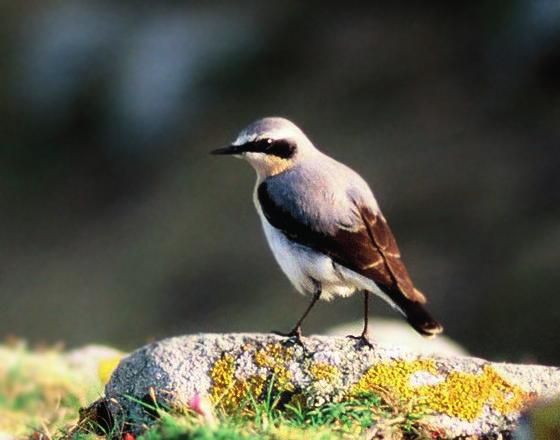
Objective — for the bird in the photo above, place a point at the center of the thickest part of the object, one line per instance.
(324, 225)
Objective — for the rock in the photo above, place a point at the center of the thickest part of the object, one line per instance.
(465, 396)
(397, 332)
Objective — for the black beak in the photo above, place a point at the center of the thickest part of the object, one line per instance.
(231, 149)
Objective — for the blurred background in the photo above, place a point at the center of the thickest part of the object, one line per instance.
(117, 227)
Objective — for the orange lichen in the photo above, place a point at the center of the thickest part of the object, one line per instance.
(461, 395)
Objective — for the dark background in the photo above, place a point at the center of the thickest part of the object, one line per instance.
(116, 226)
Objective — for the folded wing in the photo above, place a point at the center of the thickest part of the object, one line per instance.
(367, 247)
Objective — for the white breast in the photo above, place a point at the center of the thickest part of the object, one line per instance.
(303, 265)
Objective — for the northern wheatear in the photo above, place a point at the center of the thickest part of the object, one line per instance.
(323, 224)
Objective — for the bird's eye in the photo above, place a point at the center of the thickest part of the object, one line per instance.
(282, 148)
(263, 144)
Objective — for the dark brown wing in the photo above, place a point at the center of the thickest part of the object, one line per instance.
(369, 249)
(383, 240)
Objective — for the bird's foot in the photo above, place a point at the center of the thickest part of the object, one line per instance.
(295, 334)
(363, 338)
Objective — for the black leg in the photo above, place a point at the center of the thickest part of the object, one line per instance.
(296, 331)
(364, 336)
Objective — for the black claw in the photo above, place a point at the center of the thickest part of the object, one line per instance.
(295, 334)
(363, 339)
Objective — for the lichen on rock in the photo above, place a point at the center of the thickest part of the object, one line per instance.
(458, 394)
(464, 396)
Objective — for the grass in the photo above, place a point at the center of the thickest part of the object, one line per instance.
(42, 397)
(41, 391)
(365, 416)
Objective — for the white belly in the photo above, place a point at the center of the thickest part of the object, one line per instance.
(302, 266)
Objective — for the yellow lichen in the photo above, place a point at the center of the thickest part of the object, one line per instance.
(229, 392)
(222, 373)
(466, 394)
(461, 395)
(274, 357)
(273, 354)
(324, 372)
(395, 376)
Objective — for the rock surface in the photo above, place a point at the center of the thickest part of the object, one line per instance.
(397, 332)
(465, 396)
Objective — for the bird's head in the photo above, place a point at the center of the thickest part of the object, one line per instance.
(270, 145)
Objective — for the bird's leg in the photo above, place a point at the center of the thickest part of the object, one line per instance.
(364, 336)
(296, 331)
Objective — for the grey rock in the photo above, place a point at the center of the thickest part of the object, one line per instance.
(467, 396)
(398, 332)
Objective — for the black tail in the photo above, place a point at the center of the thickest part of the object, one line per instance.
(414, 312)
(420, 319)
